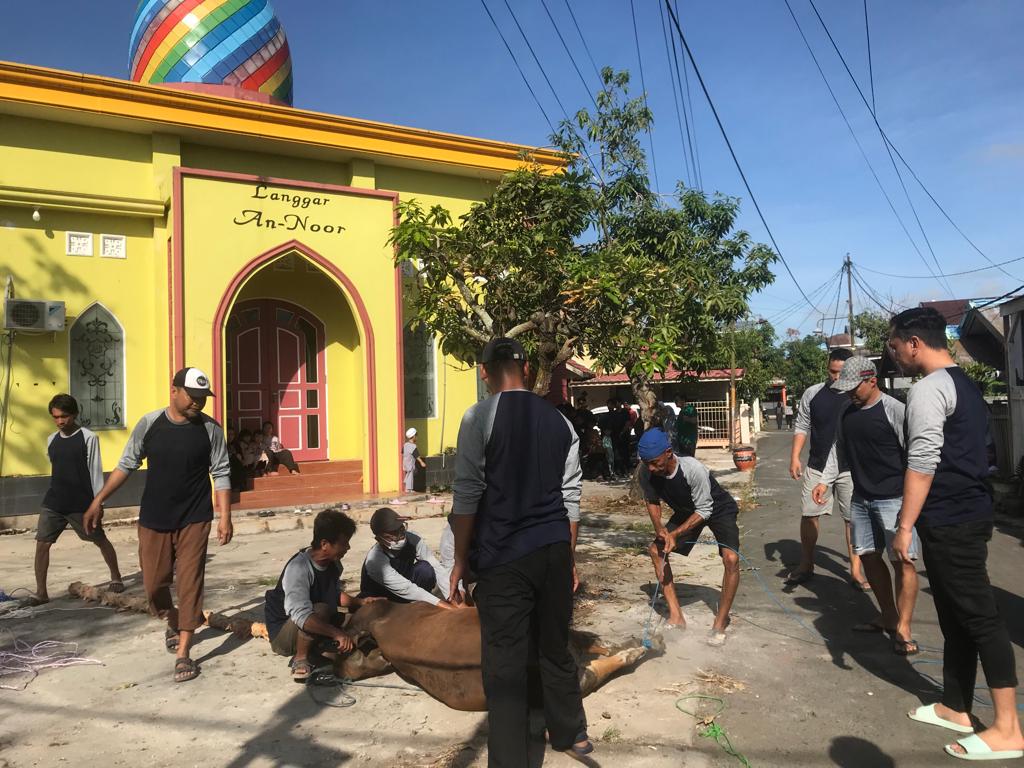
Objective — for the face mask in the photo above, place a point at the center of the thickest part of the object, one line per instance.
(396, 545)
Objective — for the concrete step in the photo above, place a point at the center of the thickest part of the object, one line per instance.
(306, 479)
(290, 497)
(319, 467)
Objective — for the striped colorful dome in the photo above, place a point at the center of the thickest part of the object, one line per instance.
(238, 43)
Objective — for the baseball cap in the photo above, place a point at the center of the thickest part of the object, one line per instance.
(855, 370)
(385, 520)
(653, 443)
(502, 349)
(193, 381)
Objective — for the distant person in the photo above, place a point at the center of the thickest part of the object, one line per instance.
(303, 607)
(779, 415)
(275, 453)
(945, 498)
(870, 443)
(410, 460)
(76, 476)
(236, 460)
(686, 427)
(400, 566)
(788, 410)
(819, 410)
(697, 501)
(183, 448)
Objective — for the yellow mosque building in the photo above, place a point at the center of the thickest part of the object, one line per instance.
(146, 225)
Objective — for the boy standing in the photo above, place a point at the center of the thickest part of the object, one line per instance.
(76, 475)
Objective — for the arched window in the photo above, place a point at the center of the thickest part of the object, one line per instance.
(97, 368)
(420, 380)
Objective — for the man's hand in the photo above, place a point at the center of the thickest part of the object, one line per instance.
(901, 544)
(455, 595)
(444, 605)
(668, 539)
(818, 493)
(225, 530)
(575, 578)
(344, 642)
(92, 517)
(367, 600)
(795, 470)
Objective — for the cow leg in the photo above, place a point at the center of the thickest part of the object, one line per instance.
(597, 672)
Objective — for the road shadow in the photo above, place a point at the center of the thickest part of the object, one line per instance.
(1011, 607)
(231, 642)
(787, 551)
(853, 752)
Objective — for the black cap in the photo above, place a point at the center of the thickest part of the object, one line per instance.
(502, 349)
(385, 520)
(193, 381)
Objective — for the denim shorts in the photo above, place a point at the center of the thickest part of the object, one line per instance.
(874, 526)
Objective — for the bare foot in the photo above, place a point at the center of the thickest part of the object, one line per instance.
(951, 715)
(116, 586)
(39, 598)
(676, 621)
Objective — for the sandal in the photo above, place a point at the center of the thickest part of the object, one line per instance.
(301, 670)
(171, 640)
(799, 577)
(861, 586)
(903, 647)
(185, 670)
(117, 587)
(581, 747)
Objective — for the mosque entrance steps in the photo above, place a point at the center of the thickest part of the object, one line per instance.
(318, 482)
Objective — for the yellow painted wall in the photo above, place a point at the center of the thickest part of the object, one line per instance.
(344, 359)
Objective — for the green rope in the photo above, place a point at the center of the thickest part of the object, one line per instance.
(713, 730)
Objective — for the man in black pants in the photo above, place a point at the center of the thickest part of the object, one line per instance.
(515, 516)
(944, 494)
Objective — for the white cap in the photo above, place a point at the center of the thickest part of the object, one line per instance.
(410, 432)
(193, 381)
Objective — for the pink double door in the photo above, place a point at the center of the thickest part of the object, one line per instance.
(276, 372)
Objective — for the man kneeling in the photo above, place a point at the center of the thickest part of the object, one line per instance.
(400, 566)
(303, 607)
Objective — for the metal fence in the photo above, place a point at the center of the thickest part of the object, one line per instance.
(712, 422)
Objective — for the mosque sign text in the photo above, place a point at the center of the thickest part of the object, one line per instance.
(290, 222)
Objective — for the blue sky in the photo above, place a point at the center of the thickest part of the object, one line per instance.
(948, 88)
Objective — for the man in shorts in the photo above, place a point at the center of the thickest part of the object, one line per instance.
(696, 500)
(871, 444)
(76, 475)
(817, 414)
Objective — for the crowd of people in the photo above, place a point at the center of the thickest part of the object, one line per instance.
(253, 455)
(909, 482)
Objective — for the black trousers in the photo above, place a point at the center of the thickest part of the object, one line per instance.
(534, 590)
(955, 556)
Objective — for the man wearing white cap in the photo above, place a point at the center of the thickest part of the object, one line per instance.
(871, 445)
(410, 458)
(183, 448)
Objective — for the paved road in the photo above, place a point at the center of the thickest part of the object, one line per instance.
(822, 695)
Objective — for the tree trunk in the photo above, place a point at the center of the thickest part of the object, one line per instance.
(646, 399)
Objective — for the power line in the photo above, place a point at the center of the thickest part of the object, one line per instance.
(870, 292)
(675, 95)
(678, 80)
(889, 144)
(693, 118)
(583, 40)
(728, 144)
(780, 315)
(835, 313)
(860, 147)
(871, 69)
(569, 53)
(643, 86)
(947, 274)
(515, 61)
(536, 60)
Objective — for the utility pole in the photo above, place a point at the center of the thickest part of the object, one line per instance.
(848, 266)
(733, 412)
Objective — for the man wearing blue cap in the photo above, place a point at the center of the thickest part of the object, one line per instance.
(696, 500)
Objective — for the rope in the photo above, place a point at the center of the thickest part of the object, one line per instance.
(324, 677)
(713, 730)
(26, 660)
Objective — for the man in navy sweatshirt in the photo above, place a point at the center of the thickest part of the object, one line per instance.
(945, 497)
(515, 516)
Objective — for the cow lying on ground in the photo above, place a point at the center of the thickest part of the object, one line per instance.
(440, 652)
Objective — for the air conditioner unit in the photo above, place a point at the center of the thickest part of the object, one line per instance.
(31, 315)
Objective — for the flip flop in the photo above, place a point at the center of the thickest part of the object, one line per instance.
(185, 670)
(117, 587)
(975, 748)
(799, 577)
(716, 639)
(926, 714)
(862, 586)
(903, 647)
(171, 640)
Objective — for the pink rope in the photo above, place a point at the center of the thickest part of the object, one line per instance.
(23, 661)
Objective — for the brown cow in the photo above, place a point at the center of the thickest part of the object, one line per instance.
(440, 651)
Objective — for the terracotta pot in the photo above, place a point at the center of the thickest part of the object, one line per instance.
(744, 458)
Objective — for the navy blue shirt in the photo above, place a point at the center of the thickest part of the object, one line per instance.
(871, 444)
(817, 414)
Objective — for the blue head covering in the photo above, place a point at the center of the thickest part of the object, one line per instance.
(653, 443)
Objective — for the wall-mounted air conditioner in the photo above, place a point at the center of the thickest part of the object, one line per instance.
(32, 315)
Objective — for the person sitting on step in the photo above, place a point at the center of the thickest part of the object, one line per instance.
(275, 453)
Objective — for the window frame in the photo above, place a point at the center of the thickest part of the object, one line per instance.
(123, 350)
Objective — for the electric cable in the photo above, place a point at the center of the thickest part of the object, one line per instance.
(533, 53)
(515, 61)
(675, 96)
(860, 147)
(693, 119)
(835, 314)
(688, 145)
(568, 52)
(643, 87)
(874, 295)
(732, 153)
(583, 40)
(947, 274)
(889, 144)
(871, 68)
(816, 294)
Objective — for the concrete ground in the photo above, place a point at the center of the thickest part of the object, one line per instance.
(797, 693)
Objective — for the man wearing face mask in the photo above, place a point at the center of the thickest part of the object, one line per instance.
(400, 565)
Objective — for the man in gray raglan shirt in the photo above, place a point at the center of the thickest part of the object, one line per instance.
(946, 499)
(870, 444)
(183, 448)
(515, 516)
